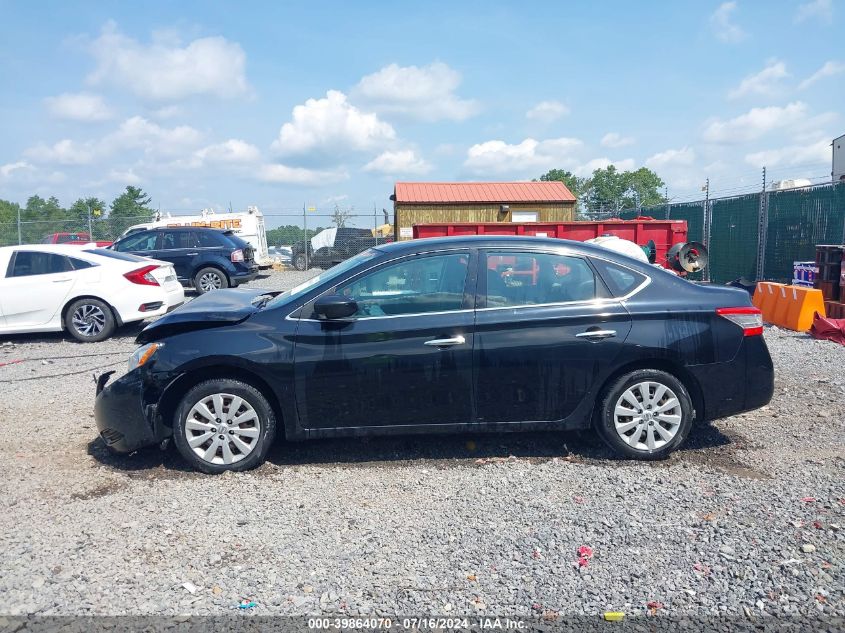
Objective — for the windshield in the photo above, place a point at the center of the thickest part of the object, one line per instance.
(328, 275)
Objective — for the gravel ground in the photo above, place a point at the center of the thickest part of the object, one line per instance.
(746, 520)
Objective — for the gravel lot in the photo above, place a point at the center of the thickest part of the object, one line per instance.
(746, 520)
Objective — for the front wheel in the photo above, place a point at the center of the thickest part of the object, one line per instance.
(90, 320)
(224, 425)
(645, 414)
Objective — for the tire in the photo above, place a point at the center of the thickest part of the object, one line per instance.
(90, 320)
(300, 262)
(210, 278)
(244, 446)
(644, 435)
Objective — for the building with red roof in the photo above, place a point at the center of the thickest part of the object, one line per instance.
(439, 202)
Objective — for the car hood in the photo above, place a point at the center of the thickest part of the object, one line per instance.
(213, 309)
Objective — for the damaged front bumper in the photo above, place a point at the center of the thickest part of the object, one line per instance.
(127, 422)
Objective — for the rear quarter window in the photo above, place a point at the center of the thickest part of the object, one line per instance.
(619, 279)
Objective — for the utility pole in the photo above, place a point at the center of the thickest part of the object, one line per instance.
(305, 233)
(20, 241)
(706, 236)
(375, 223)
(666, 199)
(90, 227)
(762, 228)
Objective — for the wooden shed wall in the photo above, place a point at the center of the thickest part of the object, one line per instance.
(407, 215)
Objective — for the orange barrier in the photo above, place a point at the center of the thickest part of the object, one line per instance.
(791, 307)
(765, 297)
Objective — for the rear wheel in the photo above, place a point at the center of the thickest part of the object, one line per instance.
(90, 320)
(300, 262)
(208, 279)
(224, 425)
(645, 414)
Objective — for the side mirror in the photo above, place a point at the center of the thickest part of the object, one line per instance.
(333, 307)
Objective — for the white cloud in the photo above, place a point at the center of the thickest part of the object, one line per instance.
(755, 123)
(10, 168)
(816, 152)
(765, 82)
(829, 69)
(140, 133)
(420, 92)
(64, 152)
(614, 139)
(298, 175)
(135, 133)
(522, 158)
(821, 9)
(671, 157)
(81, 106)
(124, 176)
(722, 23)
(547, 111)
(399, 162)
(231, 151)
(586, 169)
(165, 70)
(332, 125)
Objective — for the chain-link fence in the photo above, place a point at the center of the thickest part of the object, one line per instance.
(760, 235)
(756, 236)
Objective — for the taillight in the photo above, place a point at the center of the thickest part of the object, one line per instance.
(237, 256)
(142, 276)
(749, 319)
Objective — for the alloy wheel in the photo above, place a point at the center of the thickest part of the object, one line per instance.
(89, 320)
(210, 281)
(222, 428)
(647, 416)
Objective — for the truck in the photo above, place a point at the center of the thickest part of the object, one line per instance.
(663, 242)
(248, 226)
(332, 246)
(73, 239)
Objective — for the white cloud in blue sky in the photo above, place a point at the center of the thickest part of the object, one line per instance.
(284, 104)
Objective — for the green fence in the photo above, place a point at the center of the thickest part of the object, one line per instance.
(796, 221)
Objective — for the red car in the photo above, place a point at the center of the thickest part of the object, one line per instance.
(74, 239)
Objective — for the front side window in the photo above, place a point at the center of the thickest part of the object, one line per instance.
(141, 242)
(522, 279)
(411, 286)
(28, 263)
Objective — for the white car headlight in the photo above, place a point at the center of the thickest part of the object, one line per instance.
(143, 354)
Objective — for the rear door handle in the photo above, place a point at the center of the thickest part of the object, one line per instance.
(191, 254)
(596, 335)
(446, 342)
(61, 281)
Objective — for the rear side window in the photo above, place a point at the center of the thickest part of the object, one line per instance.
(516, 278)
(619, 279)
(209, 239)
(28, 263)
(80, 264)
(145, 241)
(172, 240)
(237, 242)
(125, 257)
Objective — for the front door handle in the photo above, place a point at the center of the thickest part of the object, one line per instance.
(191, 254)
(596, 335)
(62, 280)
(446, 342)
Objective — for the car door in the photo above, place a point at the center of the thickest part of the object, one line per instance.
(404, 359)
(180, 248)
(35, 287)
(545, 330)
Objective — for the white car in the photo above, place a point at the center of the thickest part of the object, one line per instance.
(87, 291)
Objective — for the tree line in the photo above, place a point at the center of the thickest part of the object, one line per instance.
(40, 218)
(611, 190)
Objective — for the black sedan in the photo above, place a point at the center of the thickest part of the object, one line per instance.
(444, 335)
